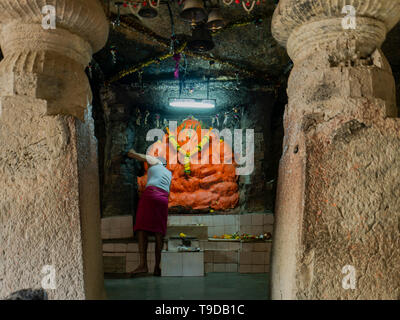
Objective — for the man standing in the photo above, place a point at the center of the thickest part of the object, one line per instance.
(152, 212)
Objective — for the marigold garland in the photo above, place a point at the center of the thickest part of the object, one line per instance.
(188, 154)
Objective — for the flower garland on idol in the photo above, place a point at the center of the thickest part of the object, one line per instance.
(188, 154)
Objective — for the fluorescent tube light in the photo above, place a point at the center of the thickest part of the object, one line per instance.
(192, 103)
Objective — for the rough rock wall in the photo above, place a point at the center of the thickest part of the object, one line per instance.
(48, 212)
(352, 213)
(119, 188)
(257, 191)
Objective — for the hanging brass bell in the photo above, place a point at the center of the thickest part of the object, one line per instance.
(215, 20)
(201, 40)
(148, 12)
(193, 11)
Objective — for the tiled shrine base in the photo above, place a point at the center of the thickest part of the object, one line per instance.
(182, 264)
(253, 223)
(121, 254)
(218, 256)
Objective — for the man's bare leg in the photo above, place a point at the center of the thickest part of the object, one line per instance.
(143, 241)
(159, 245)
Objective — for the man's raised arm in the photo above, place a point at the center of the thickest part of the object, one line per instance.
(143, 157)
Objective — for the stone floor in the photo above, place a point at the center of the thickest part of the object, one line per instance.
(213, 286)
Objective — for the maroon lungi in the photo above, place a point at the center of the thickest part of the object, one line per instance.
(152, 212)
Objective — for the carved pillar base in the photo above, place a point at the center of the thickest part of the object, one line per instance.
(338, 194)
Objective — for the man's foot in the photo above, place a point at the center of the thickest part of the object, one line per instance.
(139, 270)
(157, 271)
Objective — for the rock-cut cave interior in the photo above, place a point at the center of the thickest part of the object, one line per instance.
(199, 149)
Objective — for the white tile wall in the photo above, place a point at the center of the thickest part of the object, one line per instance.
(268, 219)
(108, 247)
(227, 224)
(185, 220)
(245, 219)
(218, 221)
(193, 264)
(132, 247)
(230, 229)
(268, 228)
(171, 264)
(117, 227)
(257, 219)
(195, 220)
(257, 230)
(122, 226)
(208, 220)
(212, 231)
(219, 230)
(173, 220)
(229, 220)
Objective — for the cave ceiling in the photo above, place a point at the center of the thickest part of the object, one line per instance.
(249, 51)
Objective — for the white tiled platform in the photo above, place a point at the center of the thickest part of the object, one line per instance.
(121, 227)
(253, 223)
(219, 256)
(182, 264)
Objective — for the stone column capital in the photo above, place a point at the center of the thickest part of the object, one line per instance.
(47, 63)
(84, 18)
(307, 26)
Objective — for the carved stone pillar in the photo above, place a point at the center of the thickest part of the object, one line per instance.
(49, 199)
(338, 207)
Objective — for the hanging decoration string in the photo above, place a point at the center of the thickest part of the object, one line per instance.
(139, 66)
(127, 22)
(146, 63)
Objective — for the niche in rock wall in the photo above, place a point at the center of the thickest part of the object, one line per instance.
(202, 165)
(129, 116)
